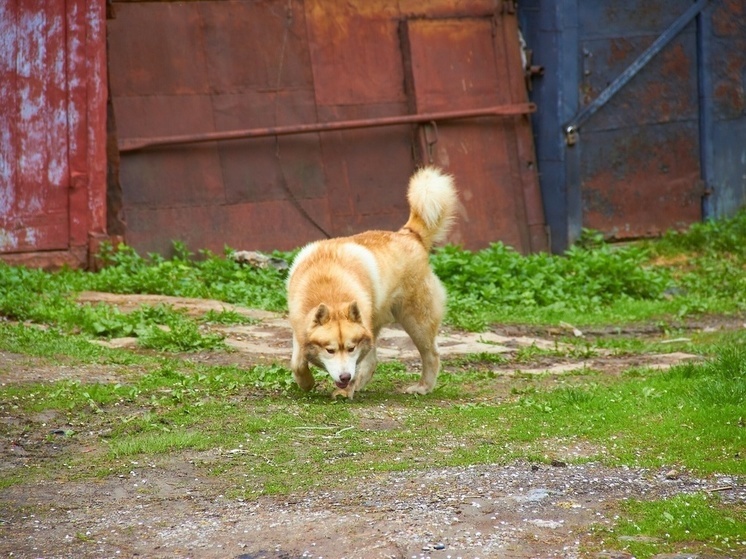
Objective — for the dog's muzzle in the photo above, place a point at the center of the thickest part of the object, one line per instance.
(344, 380)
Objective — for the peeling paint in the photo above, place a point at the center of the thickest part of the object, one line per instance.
(7, 240)
(52, 116)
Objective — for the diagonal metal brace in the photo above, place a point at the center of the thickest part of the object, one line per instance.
(572, 127)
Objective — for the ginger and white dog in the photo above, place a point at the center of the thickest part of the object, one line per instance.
(342, 291)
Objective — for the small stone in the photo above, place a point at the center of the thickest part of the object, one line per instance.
(439, 546)
(559, 464)
(672, 474)
(613, 555)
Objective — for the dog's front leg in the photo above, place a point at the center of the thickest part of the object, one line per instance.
(299, 366)
(365, 369)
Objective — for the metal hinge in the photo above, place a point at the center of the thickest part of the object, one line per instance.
(571, 135)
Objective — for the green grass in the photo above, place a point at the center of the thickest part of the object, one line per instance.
(49, 298)
(694, 523)
(251, 425)
(689, 416)
(151, 443)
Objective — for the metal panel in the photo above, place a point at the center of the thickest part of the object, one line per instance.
(52, 128)
(551, 32)
(640, 171)
(635, 169)
(465, 63)
(222, 66)
(641, 184)
(33, 92)
(229, 73)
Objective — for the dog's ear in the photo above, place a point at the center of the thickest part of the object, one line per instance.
(353, 312)
(322, 315)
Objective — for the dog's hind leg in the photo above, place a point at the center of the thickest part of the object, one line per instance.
(422, 324)
(299, 365)
(428, 348)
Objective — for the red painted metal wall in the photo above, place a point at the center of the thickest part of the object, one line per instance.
(52, 130)
(254, 65)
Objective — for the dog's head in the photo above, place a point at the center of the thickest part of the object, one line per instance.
(337, 341)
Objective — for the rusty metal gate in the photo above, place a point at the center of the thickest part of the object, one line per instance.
(640, 168)
(643, 114)
(52, 130)
(267, 124)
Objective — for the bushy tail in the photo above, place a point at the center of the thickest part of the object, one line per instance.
(432, 205)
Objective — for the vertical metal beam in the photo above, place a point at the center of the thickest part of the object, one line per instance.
(706, 134)
(572, 75)
(552, 32)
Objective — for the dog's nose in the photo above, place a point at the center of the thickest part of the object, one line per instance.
(345, 377)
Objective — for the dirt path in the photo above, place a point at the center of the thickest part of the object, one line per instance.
(165, 510)
(170, 508)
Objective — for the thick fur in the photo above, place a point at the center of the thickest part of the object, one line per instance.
(342, 291)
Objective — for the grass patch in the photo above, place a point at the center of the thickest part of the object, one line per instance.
(158, 443)
(592, 283)
(689, 417)
(687, 523)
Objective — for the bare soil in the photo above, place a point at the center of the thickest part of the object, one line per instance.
(170, 507)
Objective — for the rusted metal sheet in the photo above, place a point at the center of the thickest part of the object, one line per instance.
(222, 66)
(52, 129)
(640, 168)
(244, 69)
(464, 63)
(653, 93)
(640, 186)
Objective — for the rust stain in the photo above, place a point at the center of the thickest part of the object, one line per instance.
(731, 97)
(648, 187)
(675, 62)
(621, 49)
(727, 18)
(729, 28)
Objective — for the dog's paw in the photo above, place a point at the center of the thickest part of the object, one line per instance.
(344, 392)
(417, 389)
(307, 386)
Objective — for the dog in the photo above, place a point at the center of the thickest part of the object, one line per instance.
(342, 291)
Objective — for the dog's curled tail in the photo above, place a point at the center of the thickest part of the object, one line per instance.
(432, 205)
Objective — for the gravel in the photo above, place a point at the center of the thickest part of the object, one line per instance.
(513, 511)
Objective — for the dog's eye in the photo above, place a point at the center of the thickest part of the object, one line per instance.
(330, 350)
(351, 349)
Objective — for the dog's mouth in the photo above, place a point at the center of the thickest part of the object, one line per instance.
(342, 384)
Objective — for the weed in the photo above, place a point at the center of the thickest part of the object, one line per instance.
(226, 317)
(581, 279)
